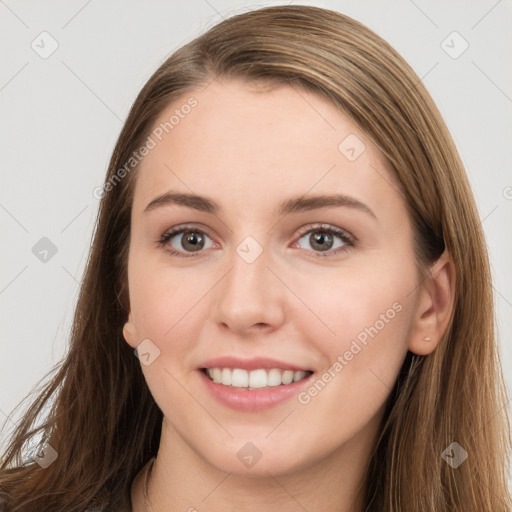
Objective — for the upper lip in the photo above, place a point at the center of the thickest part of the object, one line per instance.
(250, 364)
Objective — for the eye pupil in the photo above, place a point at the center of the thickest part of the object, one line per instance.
(193, 238)
(319, 238)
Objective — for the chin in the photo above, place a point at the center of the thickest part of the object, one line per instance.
(257, 459)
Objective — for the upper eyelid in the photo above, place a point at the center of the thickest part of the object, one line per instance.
(303, 229)
(320, 226)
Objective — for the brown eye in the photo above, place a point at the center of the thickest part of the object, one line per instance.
(192, 241)
(326, 240)
(321, 241)
(185, 241)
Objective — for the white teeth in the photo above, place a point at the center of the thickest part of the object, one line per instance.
(258, 379)
(298, 376)
(239, 378)
(274, 377)
(226, 377)
(287, 377)
(216, 375)
(255, 379)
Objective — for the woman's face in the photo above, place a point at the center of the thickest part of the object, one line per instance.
(296, 256)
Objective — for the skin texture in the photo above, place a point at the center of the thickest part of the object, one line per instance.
(249, 148)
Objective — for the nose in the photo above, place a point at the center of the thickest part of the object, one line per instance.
(250, 298)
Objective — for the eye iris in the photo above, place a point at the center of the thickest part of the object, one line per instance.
(320, 237)
(193, 238)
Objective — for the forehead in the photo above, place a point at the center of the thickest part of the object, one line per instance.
(259, 144)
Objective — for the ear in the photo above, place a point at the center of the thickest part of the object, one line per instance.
(130, 332)
(435, 306)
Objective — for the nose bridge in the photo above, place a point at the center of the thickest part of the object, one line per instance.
(249, 293)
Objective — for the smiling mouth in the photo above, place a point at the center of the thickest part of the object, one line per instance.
(254, 379)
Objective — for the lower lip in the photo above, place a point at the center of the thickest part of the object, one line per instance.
(242, 399)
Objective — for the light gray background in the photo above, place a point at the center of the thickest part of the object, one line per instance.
(61, 116)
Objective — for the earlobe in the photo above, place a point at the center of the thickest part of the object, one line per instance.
(435, 306)
(130, 332)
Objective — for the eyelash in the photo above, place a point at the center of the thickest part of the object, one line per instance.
(349, 240)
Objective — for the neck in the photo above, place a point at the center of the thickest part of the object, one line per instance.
(182, 480)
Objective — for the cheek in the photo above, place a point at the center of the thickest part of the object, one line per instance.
(353, 302)
(165, 304)
(367, 317)
(371, 315)
(162, 299)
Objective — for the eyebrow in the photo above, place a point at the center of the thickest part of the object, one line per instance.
(292, 205)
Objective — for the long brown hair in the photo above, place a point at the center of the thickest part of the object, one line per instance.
(96, 411)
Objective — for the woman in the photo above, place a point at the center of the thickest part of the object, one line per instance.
(288, 243)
